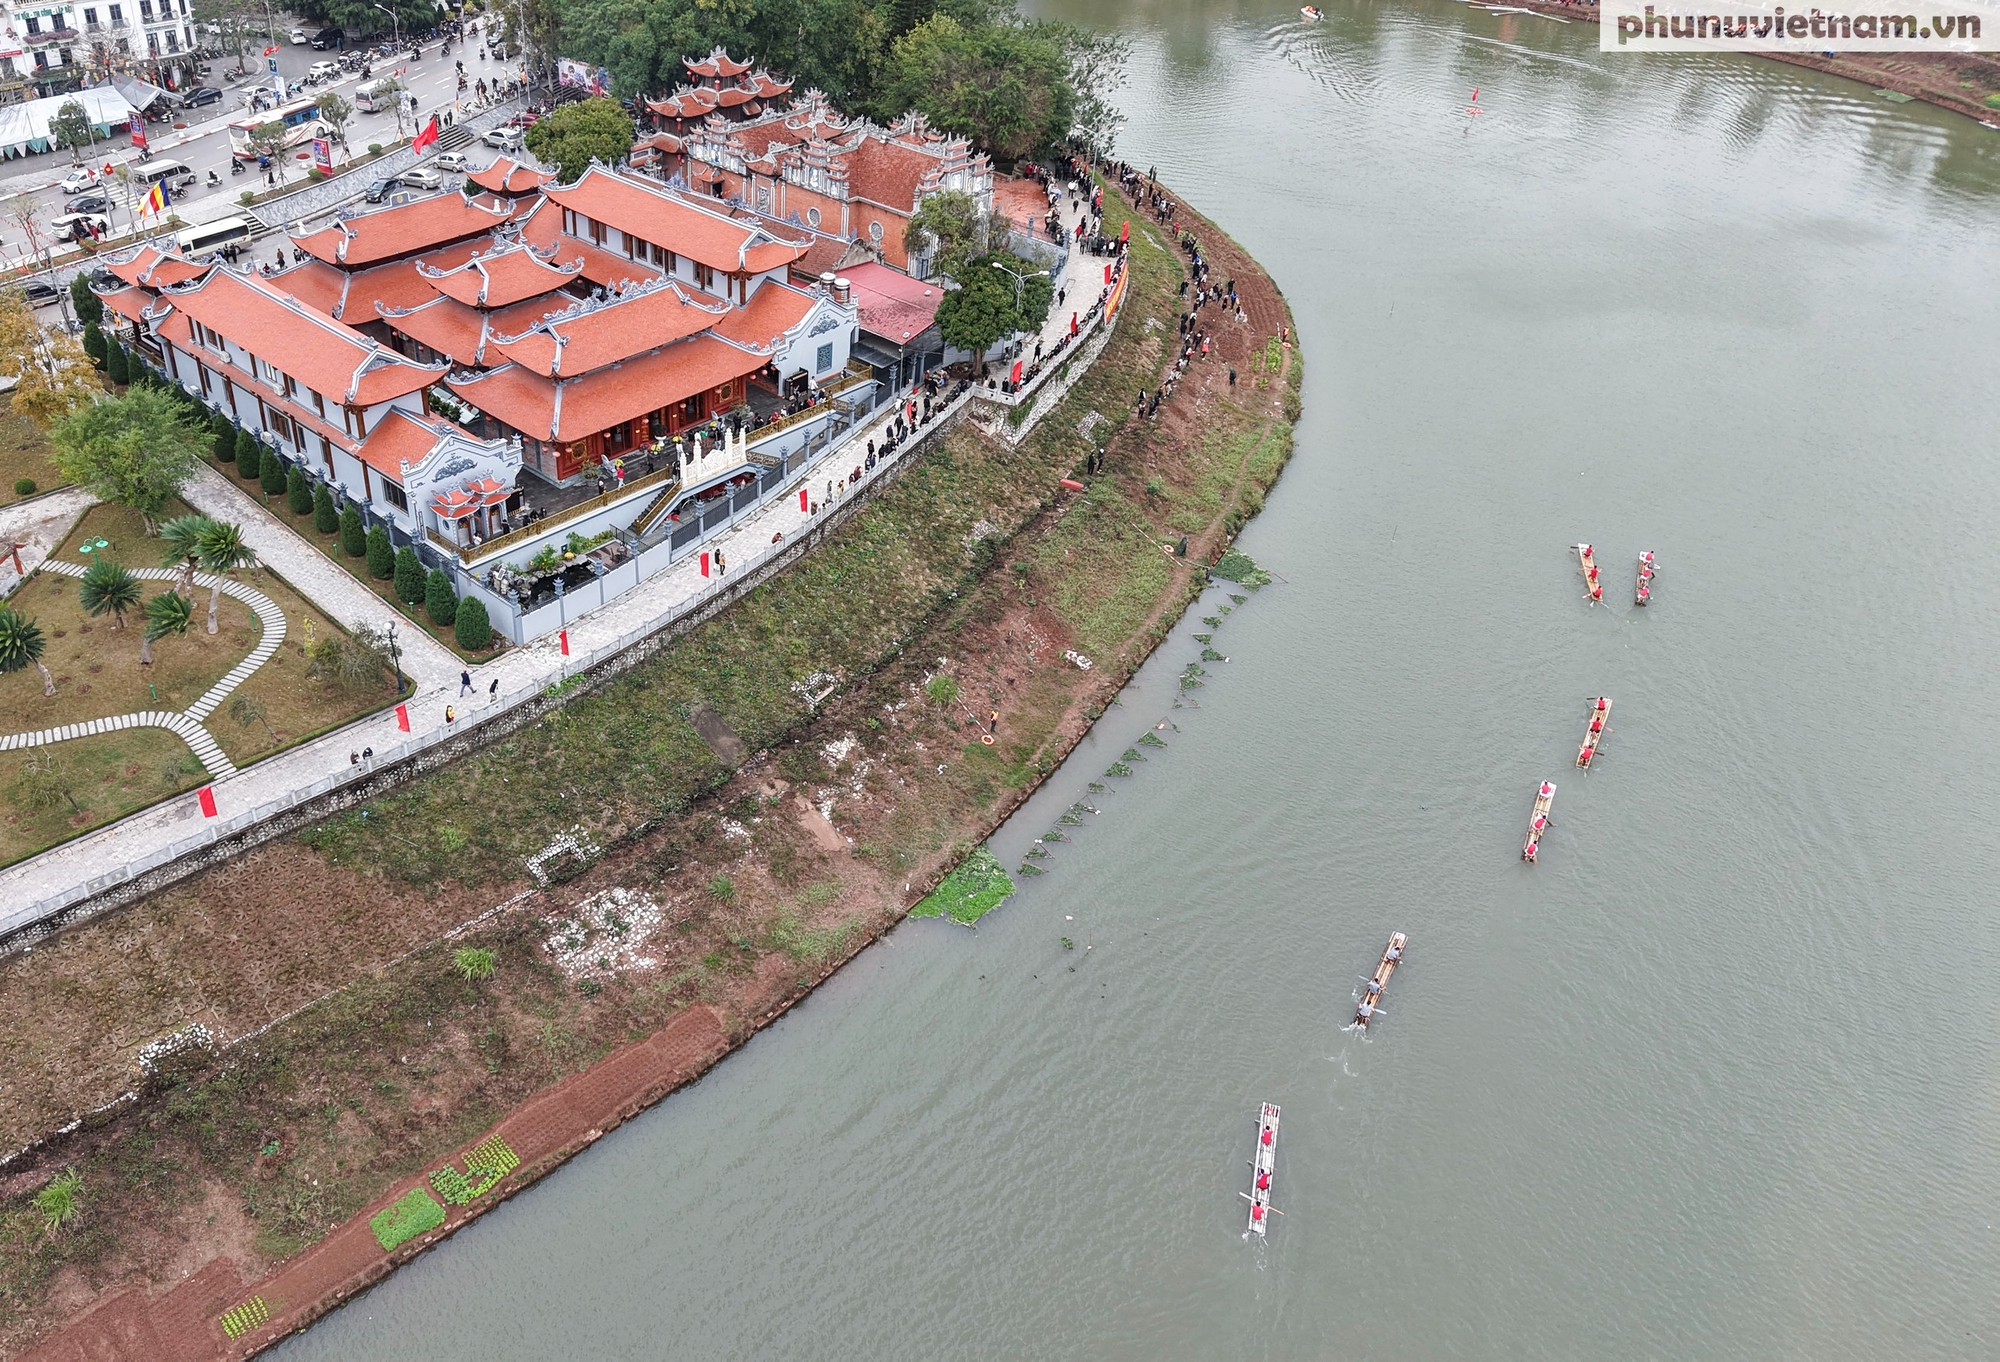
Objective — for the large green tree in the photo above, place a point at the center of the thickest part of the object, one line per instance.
(576, 134)
(951, 227)
(222, 549)
(1006, 86)
(136, 450)
(996, 297)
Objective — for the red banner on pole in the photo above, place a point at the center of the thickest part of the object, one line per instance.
(804, 505)
(207, 799)
(1126, 234)
(564, 636)
(403, 717)
(704, 562)
(1015, 377)
(1107, 271)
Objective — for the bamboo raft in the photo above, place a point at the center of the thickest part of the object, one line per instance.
(1370, 1006)
(1588, 564)
(1538, 821)
(1262, 1168)
(1600, 711)
(1642, 589)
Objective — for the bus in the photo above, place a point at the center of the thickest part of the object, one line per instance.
(302, 124)
(196, 242)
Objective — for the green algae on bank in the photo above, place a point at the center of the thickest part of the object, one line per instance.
(976, 888)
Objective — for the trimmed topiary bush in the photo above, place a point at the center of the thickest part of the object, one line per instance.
(299, 492)
(440, 601)
(409, 576)
(273, 473)
(116, 367)
(94, 343)
(25, 487)
(326, 516)
(470, 627)
(353, 535)
(225, 443)
(249, 456)
(381, 554)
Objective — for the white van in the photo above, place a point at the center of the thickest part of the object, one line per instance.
(172, 174)
(197, 242)
(375, 96)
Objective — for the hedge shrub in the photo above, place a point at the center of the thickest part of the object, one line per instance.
(439, 599)
(249, 456)
(273, 472)
(381, 554)
(470, 627)
(353, 537)
(299, 492)
(116, 367)
(409, 576)
(94, 343)
(326, 516)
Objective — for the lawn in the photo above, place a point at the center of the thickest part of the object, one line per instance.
(108, 776)
(329, 544)
(24, 453)
(98, 674)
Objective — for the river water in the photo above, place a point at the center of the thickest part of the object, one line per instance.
(1716, 1078)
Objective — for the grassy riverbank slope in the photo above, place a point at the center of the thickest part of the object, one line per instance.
(698, 897)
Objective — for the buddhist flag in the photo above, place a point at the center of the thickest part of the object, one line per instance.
(206, 796)
(158, 199)
(426, 137)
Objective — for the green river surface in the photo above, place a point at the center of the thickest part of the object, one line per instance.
(1716, 1079)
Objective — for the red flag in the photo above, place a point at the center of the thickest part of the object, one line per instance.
(207, 798)
(704, 562)
(1016, 378)
(1126, 235)
(426, 137)
(1107, 271)
(403, 717)
(270, 51)
(1072, 323)
(565, 642)
(804, 505)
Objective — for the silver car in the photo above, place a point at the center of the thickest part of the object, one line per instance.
(420, 177)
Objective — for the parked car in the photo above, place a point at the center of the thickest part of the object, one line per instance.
(299, 38)
(420, 177)
(78, 180)
(507, 139)
(68, 224)
(379, 190)
(321, 70)
(90, 203)
(200, 95)
(38, 292)
(327, 37)
(453, 161)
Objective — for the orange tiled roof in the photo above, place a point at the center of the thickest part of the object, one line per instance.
(571, 408)
(302, 342)
(500, 277)
(590, 335)
(507, 176)
(772, 310)
(127, 302)
(153, 266)
(400, 438)
(885, 173)
(445, 325)
(404, 229)
(315, 283)
(655, 214)
(715, 65)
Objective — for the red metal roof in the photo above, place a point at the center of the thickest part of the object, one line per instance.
(893, 305)
(569, 409)
(300, 341)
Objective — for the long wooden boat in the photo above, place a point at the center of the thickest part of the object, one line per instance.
(1600, 711)
(1262, 1168)
(1642, 589)
(1538, 821)
(1371, 991)
(1588, 563)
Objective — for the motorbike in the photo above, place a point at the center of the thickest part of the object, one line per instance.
(235, 166)
(213, 179)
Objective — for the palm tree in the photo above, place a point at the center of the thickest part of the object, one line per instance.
(182, 536)
(21, 642)
(222, 549)
(109, 588)
(167, 613)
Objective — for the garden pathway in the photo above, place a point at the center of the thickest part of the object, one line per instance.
(313, 575)
(37, 525)
(185, 724)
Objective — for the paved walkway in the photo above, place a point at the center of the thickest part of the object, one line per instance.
(187, 724)
(33, 889)
(37, 526)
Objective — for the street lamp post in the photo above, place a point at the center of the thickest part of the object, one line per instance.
(1019, 280)
(395, 657)
(395, 26)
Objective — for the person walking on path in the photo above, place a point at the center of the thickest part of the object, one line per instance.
(450, 715)
(464, 681)
(493, 691)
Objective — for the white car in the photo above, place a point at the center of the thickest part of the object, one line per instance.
(420, 177)
(300, 37)
(453, 161)
(78, 180)
(507, 139)
(65, 226)
(323, 70)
